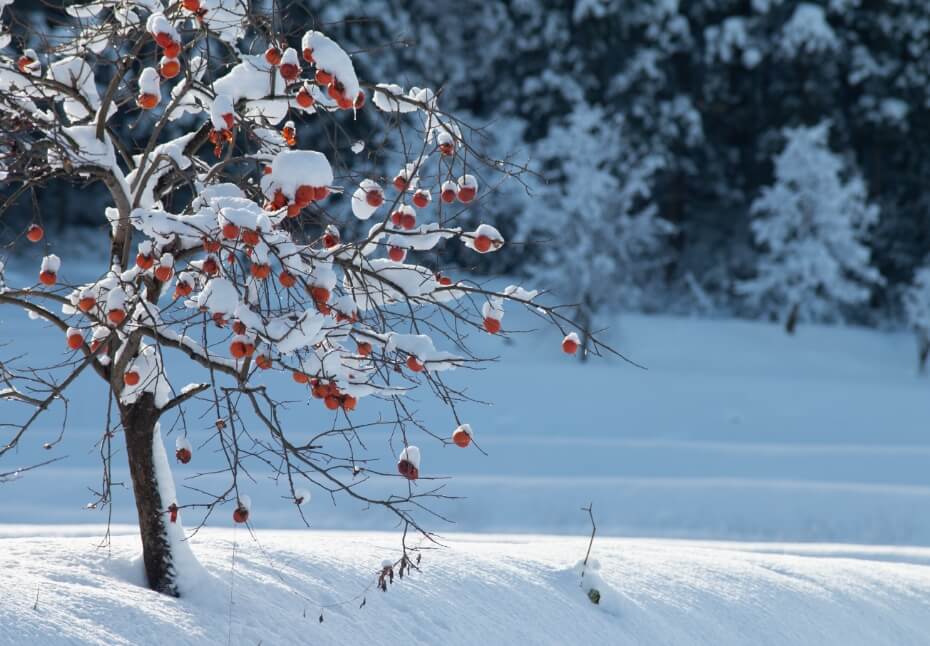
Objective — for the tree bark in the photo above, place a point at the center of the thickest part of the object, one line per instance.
(792, 321)
(139, 421)
(923, 350)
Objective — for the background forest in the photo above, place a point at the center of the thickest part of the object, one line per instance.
(760, 158)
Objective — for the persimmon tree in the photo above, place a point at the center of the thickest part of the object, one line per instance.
(228, 246)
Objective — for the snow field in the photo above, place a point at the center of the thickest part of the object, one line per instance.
(505, 589)
(735, 431)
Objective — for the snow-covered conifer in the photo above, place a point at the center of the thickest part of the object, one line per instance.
(599, 237)
(810, 226)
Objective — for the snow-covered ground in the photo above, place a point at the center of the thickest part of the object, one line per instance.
(495, 589)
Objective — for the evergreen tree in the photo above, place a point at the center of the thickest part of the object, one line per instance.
(810, 226)
(601, 239)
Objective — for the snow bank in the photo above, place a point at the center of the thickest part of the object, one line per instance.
(514, 590)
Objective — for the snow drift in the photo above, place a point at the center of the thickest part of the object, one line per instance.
(507, 589)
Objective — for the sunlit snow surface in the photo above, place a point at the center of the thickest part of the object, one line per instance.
(505, 589)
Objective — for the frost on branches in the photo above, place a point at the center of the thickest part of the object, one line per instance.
(810, 226)
(256, 270)
(600, 237)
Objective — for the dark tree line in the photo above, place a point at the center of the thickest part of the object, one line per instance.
(702, 91)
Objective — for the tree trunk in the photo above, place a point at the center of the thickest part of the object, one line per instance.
(139, 420)
(792, 321)
(923, 350)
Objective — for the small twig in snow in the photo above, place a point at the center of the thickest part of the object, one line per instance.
(593, 531)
